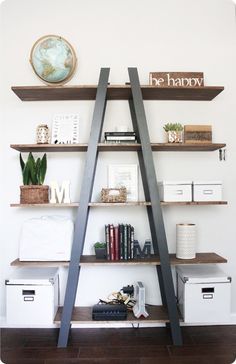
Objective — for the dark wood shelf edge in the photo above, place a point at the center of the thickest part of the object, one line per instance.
(201, 258)
(82, 315)
(115, 92)
(122, 147)
(118, 204)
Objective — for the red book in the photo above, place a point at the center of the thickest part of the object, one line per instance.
(117, 243)
(112, 242)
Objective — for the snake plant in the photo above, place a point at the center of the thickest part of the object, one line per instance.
(33, 171)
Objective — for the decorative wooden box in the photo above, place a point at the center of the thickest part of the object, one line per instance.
(197, 134)
(114, 194)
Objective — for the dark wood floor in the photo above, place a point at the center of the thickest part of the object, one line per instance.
(202, 345)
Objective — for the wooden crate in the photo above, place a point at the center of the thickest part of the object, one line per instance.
(197, 134)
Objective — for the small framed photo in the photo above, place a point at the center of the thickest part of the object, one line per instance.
(124, 175)
(65, 129)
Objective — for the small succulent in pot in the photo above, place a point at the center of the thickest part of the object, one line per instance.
(174, 132)
(100, 250)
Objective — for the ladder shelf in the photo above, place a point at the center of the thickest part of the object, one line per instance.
(134, 93)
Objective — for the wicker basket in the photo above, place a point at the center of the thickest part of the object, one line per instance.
(34, 194)
(114, 194)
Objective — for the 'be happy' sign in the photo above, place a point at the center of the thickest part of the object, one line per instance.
(176, 79)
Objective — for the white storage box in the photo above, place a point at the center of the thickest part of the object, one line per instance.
(175, 191)
(32, 296)
(46, 238)
(204, 294)
(207, 191)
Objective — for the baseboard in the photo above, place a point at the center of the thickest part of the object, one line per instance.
(3, 324)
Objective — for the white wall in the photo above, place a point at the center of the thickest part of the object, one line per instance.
(154, 35)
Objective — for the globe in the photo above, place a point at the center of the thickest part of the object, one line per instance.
(53, 59)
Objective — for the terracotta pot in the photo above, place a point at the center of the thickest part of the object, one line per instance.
(32, 194)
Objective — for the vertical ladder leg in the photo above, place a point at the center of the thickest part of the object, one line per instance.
(83, 209)
(147, 198)
(158, 223)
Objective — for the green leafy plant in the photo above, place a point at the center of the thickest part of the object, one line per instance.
(33, 171)
(173, 127)
(99, 245)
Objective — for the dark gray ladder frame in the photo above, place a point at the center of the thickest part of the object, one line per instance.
(151, 194)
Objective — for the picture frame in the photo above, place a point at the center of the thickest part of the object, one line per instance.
(124, 175)
(65, 129)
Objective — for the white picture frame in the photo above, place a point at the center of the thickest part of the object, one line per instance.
(65, 129)
(124, 175)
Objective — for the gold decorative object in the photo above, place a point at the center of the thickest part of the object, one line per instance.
(174, 136)
(42, 134)
(114, 194)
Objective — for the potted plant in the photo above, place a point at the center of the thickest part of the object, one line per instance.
(100, 250)
(174, 132)
(33, 173)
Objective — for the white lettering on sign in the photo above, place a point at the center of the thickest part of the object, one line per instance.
(176, 79)
(60, 195)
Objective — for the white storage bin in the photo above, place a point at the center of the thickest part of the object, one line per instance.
(46, 238)
(32, 296)
(175, 191)
(207, 191)
(204, 294)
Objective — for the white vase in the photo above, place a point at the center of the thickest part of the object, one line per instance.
(185, 241)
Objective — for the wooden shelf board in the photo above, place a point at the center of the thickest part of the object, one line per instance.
(114, 92)
(49, 205)
(83, 315)
(87, 260)
(42, 264)
(194, 203)
(123, 147)
(50, 147)
(187, 147)
(118, 204)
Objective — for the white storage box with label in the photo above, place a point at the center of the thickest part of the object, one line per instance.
(207, 191)
(175, 191)
(46, 238)
(204, 294)
(32, 296)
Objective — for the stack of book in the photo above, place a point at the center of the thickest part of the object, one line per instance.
(120, 137)
(119, 241)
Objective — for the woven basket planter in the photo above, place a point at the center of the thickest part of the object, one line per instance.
(34, 194)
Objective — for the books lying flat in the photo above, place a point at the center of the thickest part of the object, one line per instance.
(121, 138)
(119, 133)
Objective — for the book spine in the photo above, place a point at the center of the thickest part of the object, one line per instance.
(121, 235)
(129, 241)
(107, 241)
(116, 243)
(132, 243)
(125, 243)
(120, 138)
(112, 242)
(119, 133)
